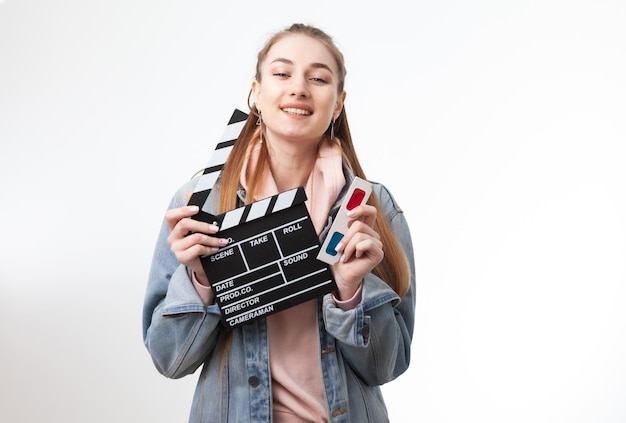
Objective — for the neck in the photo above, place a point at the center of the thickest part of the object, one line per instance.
(291, 165)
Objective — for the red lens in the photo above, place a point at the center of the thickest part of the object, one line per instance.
(356, 198)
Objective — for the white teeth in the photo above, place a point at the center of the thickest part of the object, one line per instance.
(297, 111)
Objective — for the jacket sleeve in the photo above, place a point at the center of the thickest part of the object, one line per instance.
(179, 331)
(375, 337)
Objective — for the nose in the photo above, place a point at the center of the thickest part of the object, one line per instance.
(299, 86)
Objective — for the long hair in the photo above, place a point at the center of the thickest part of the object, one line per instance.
(394, 268)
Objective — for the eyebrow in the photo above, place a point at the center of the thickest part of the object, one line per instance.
(315, 65)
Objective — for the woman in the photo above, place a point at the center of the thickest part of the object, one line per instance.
(322, 360)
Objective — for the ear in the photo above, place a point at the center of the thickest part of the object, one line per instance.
(339, 105)
(256, 92)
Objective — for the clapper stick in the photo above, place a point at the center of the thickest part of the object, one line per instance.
(215, 166)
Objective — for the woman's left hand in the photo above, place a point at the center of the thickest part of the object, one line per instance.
(361, 251)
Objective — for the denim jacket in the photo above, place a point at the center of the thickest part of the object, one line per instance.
(360, 349)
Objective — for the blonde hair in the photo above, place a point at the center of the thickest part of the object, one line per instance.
(394, 268)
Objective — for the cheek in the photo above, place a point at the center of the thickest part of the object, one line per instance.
(332, 106)
(268, 94)
(333, 102)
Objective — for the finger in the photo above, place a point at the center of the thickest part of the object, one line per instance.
(190, 248)
(188, 225)
(364, 213)
(372, 248)
(359, 245)
(198, 238)
(192, 255)
(188, 233)
(173, 216)
(357, 227)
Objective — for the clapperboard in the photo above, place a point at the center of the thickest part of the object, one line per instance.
(270, 262)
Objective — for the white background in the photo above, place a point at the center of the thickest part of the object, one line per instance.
(498, 125)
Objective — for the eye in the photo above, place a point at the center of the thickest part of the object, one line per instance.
(319, 80)
(280, 74)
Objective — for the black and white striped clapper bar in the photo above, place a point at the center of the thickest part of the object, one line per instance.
(270, 262)
(215, 166)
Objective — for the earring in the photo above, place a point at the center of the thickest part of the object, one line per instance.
(259, 122)
(332, 129)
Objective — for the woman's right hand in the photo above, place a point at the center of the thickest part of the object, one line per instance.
(189, 239)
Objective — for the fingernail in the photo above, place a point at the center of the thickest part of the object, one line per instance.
(339, 247)
(350, 213)
(214, 228)
(223, 241)
(193, 208)
(343, 258)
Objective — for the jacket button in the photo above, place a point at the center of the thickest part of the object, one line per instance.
(253, 381)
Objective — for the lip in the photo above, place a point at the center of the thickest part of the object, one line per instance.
(298, 106)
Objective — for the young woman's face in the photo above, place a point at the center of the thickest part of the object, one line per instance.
(297, 94)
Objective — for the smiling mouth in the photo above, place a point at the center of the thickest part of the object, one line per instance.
(299, 112)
